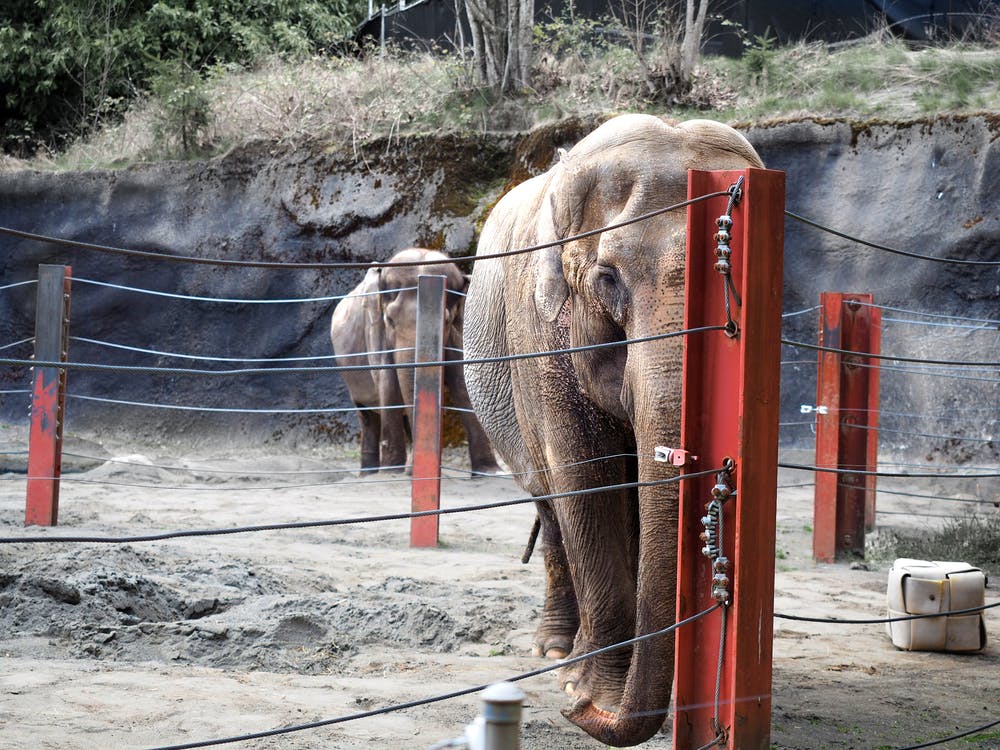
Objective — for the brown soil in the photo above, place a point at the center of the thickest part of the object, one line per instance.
(153, 644)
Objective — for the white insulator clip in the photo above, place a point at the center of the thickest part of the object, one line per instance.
(809, 409)
(675, 456)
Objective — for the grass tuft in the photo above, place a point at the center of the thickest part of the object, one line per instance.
(970, 539)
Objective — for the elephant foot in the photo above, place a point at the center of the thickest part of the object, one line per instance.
(549, 650)
(600, 679)
(369, 462)
(605, 697)
(485, 469)
(554, 636)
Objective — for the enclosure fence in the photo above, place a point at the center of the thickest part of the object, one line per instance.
(718, 483)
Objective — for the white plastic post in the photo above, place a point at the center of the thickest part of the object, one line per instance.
(502, 714)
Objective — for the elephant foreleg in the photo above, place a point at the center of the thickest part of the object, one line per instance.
(393, 422)
(393, 439)
(561, 616)
(370, 437)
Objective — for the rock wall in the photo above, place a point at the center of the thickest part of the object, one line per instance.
(926, 187)
(929, 188)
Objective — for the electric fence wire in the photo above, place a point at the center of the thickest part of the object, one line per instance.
(5, 287)
(240, 301)
(17, 343)
(458, 474)
(92, 366)
(887, 248)
(153, 255)
(988, 324)
(204, 358)
(181, 534)
(988, 473)
(242, 472)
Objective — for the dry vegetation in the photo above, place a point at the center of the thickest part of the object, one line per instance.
(348, 101)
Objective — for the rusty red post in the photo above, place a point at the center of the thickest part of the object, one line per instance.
(427, 389)
(730, 410)
(846, 425)
(871, 454)
(48, 397)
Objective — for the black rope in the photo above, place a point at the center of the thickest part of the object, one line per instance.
(341, 521)
(867, 355)
(345, 264)
(883, 620)
(439, 698)
(960, 735)
(92, 366)
(886, 248)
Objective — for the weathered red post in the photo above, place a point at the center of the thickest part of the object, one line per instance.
(426, 486)
(48, 398)
(730, 411)
(871, 453)
(846, 425)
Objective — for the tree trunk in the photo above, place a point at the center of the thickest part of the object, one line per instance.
(694, 28)
(501, 42)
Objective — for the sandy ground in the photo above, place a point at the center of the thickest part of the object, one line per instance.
(147, 645)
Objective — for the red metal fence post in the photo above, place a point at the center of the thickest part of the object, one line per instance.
(827, 430)
(871, 434)
(426, 487)
(730, 410)
(846, 425)
(48, 397)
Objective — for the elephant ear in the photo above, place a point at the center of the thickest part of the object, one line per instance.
(372, 302)
(555, 221)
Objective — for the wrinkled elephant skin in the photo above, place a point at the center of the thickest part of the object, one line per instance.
(376, 324)
(563, 423)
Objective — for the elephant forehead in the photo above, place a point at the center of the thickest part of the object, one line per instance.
(400, 277)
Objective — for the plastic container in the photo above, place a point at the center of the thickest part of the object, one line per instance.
(919, 587)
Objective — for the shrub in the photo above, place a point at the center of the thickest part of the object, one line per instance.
(67, 66)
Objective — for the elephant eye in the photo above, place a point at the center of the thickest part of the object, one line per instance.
(389, 309)
(610, 291)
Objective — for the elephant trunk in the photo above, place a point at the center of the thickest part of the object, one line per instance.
(651, 395)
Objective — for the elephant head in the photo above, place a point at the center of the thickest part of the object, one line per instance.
(392, 312)
(623, 284)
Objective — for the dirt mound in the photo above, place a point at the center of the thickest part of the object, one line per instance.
(124, 603)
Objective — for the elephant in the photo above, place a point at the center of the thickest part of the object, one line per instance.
(376, 324)
(593, 418)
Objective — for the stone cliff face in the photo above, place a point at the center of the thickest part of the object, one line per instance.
(925, 187)
(928, 188)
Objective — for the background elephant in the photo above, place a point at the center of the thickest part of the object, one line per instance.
(592, 419)
(377, 322)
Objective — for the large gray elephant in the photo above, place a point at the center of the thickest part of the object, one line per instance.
(594, 418)
(377, 322)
